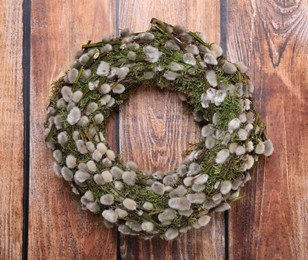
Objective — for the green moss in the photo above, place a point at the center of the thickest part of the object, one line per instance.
(55, 91)
(228, 110)
(142, 195)
(180, 221)
(214, 174)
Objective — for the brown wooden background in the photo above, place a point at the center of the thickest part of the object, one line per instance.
(39, 218)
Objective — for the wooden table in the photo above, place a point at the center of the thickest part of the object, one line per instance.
(39, 218)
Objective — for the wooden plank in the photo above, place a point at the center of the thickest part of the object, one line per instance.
(58, 228)
(271, 37)
(154, 129)
(11, 130)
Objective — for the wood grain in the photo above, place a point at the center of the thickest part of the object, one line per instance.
(154, 130)
(58, 229)
(271, 37)
(11, 131)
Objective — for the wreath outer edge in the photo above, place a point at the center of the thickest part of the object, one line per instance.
(217, 92)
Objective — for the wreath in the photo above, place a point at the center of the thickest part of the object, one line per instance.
(217, 92)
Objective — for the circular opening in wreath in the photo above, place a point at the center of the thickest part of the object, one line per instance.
(155, 129)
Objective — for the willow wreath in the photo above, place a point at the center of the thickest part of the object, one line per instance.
(217, 92)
